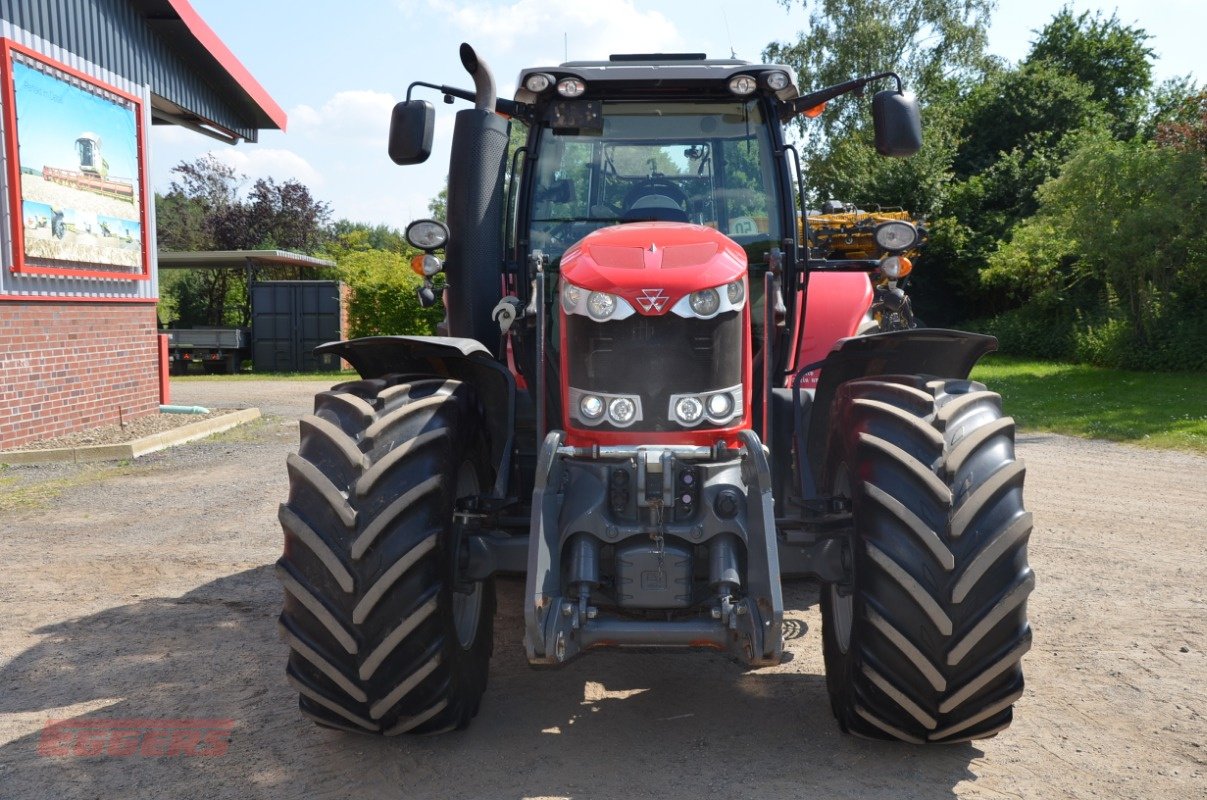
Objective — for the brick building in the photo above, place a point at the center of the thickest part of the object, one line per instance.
(81, 82)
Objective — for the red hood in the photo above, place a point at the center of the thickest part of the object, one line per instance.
(635, 259)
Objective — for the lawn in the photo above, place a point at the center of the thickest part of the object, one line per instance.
(330, 377)
(1157, 409)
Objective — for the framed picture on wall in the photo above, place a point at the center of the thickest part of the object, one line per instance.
(76, 173)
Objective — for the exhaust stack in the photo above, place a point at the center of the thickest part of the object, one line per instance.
(475, 210)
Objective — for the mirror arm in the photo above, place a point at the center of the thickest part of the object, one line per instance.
(503, 106)
(814, 99)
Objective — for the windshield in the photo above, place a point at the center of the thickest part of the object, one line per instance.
(707, 163)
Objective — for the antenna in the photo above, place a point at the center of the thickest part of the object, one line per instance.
(725, 17)
(565, 46)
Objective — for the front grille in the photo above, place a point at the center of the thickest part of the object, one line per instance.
(654, 357)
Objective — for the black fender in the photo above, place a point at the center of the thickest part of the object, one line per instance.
(919, 351)
(465, 360)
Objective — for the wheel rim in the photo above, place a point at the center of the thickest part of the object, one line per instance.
(842, 607)
(467, 607)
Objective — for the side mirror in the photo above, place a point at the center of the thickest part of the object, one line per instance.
(897, 122)
(411, 127)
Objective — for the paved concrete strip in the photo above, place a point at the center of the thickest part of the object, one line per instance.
(136, 448)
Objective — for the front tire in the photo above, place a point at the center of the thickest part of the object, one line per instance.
(924, 644)
(381, 638)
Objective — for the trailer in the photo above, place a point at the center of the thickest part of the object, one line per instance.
(218, 350)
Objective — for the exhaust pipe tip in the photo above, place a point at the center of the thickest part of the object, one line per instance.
(484, 82)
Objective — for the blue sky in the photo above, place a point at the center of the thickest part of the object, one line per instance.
(53, 113)
(337, 75)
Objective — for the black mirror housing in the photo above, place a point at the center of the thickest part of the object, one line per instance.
(898, 124)
(412, 125)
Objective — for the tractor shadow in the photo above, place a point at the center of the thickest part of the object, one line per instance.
(606, 725)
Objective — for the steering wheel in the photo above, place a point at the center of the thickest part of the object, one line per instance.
(655, 186)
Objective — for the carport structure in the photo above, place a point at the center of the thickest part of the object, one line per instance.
(285, 319)
(81, 82)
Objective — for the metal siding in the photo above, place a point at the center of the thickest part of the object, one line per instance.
(116, 38)
(69, 287)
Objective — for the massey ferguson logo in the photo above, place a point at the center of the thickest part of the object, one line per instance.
(652, 300)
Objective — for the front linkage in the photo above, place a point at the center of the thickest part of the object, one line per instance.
(628, 501)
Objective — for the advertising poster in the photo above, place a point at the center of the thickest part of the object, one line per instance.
(80, 195)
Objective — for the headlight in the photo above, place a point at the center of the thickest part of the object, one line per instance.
(592, 409)
(622, 410)
(705, 302)
(895, 236)
(720, 405)
(426, 234)
(689, 410)
(571, 297)
(571, 87)
(776, 80)
(895, 267)
(591, 406)
(538, 82)
(742, 84)
(601, 305)
(736, 292)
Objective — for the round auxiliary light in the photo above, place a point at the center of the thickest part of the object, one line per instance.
(537, 82)
(743, 84)
(622, 410)
(571, 87)
(571, 296)
(895, 236)
(736, 292)
(777, 80)
(426, 234)
(895, 267)
(600, 305)
(591, 406)
(720, 405)
(689, 409)
(705, 302)
(425, 265)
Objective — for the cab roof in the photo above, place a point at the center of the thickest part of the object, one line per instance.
(658, 69)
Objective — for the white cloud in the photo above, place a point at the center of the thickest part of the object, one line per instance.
(355, 117)
(268, 162)
(593, 30)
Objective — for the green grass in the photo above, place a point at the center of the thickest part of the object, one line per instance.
(333, 377)
(29, 493)
(1157, 409)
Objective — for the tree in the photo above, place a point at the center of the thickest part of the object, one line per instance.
(1109, 57)
(930, 43)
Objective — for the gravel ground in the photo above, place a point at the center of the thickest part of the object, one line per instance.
(117, 434)
(147, 593)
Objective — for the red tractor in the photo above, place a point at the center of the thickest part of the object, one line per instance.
(628, 409)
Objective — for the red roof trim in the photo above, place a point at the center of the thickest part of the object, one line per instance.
(210, 41)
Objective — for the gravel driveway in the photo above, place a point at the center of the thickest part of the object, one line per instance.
(146, 592)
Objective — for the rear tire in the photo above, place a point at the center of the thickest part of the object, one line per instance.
(381, 641)
(925, 643)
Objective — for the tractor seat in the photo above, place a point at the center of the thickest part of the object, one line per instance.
(654, 208)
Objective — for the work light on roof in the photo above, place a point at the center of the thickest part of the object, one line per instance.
(743, 84)
(538, 82)
(776, 80)
(571, 87)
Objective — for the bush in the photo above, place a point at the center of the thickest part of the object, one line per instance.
(383, 299)
(1173, 340)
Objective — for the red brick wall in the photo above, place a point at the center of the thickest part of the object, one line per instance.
(69, 366)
